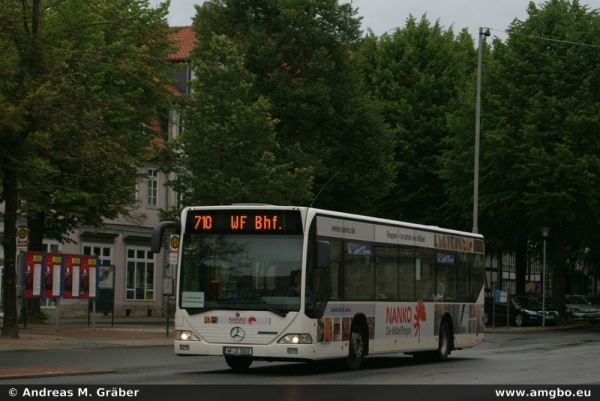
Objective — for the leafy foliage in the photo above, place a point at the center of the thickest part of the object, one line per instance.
(302, 57)
(80, 79)
(227, 149)
(417, 73)
(540, 160)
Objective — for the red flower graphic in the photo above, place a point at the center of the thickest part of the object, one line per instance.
(420, 315)
(251, 320)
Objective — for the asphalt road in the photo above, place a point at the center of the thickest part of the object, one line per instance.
(567, 357)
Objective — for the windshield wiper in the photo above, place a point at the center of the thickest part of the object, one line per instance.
(197, 310)
(276, 311)
(249, 305)
(241, 305)
(194, 311)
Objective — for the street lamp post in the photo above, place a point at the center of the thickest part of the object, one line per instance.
(477, 125)
(545, 232)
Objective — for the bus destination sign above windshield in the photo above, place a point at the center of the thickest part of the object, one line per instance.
(244, 221)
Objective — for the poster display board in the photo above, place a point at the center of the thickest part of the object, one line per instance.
(52, 275)
(71, 267)
(56, 275)
(89, 277)
(32, 275)
(106, 277)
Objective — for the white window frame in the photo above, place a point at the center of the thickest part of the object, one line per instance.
(133, 286)
(152, 188)
(98, 249)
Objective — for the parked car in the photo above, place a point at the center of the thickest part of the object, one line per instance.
(593, 299)
(581, 309)
(524, 309)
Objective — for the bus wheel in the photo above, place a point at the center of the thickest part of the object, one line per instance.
(444, 343)
(357, 348)
(238, 363)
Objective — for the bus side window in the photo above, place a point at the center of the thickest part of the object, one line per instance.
(334, 271)
(335, 252)
(386, 272)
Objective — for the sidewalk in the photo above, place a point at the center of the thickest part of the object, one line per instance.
(72, 334)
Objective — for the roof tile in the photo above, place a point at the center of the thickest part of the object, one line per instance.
(184, 35)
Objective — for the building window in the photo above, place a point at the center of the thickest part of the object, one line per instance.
(179, 125)
(102, 251)
(152, 188)
(140, 274)
(508, 262)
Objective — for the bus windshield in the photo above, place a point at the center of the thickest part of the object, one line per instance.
(239, 272)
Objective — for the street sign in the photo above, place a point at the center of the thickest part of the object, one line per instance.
(173, 249)
(501, 295)
(168, 285)
(21, 239)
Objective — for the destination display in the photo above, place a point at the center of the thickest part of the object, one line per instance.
(244, 221)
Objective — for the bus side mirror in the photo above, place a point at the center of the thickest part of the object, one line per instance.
(158, 232)
(323, 260)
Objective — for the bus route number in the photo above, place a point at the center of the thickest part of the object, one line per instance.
(203, 222)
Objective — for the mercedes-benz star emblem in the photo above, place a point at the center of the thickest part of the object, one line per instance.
(237, 334)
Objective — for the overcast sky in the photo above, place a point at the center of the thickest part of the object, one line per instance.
(383, 15)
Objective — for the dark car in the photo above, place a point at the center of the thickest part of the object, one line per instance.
(524, 309)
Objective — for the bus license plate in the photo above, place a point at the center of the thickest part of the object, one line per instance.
(237, 351)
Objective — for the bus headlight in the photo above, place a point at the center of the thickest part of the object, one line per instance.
(295, 339)
(185, 335)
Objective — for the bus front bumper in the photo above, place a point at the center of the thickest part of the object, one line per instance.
(267, 352)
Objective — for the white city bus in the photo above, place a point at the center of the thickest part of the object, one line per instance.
(367, 286)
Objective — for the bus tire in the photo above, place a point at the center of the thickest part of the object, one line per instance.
(357, 348)
(444, 343)
(238, 363)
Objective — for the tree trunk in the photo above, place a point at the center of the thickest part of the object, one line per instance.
(10, 326)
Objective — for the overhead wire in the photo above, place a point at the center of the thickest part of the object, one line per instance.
(543, 38)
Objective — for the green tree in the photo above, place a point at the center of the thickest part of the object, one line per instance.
(540, 158)
(227, 148)
(79, 81)
(303, 55)
(417, 73)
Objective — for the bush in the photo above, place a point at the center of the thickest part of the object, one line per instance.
(35, 318)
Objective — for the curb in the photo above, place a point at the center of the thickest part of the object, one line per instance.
(32, 373)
